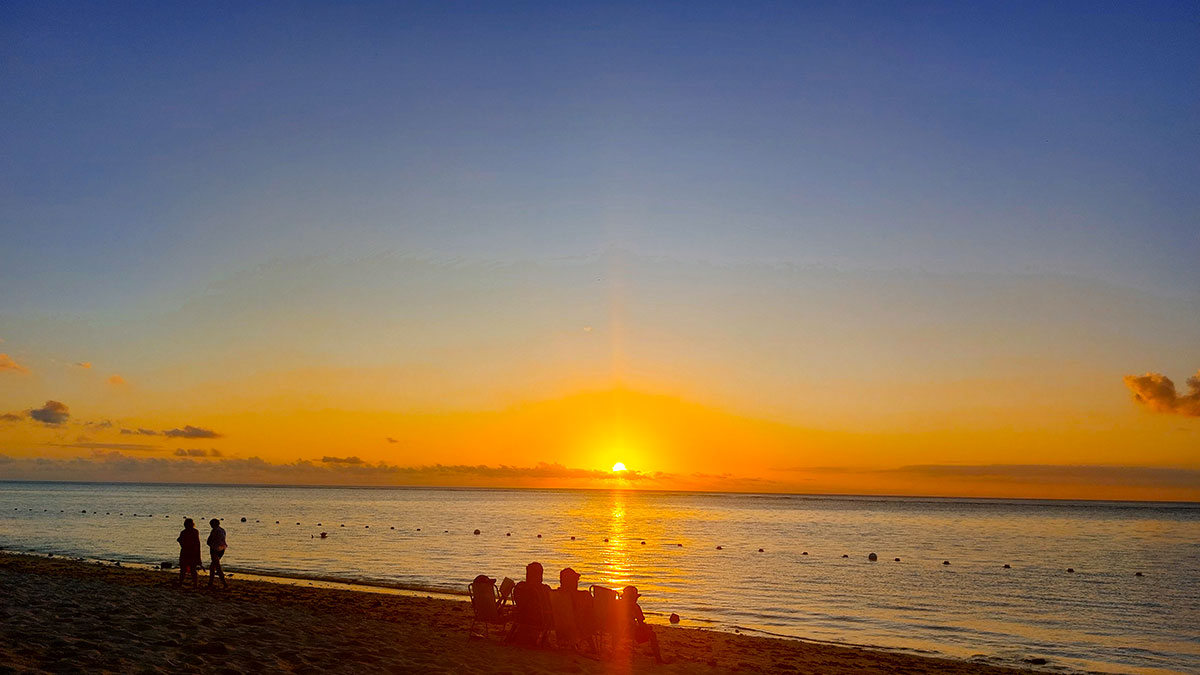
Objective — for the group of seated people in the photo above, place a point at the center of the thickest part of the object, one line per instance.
(577, 618)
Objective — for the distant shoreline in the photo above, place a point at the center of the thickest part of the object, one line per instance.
(778, 495)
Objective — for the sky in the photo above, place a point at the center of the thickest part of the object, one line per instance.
(877, 248)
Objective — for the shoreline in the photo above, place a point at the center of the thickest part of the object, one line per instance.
(58, 608)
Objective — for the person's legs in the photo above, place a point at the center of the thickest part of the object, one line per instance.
(215, 570)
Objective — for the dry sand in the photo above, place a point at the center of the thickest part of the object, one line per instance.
(64, 616)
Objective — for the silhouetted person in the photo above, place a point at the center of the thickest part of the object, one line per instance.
(189, 552)
(216, 549)
(532, 598)
(581, 602)
(631, 613)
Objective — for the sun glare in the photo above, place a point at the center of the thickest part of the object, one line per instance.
(618, 467)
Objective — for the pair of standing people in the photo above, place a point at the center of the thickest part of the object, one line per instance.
(189, 552)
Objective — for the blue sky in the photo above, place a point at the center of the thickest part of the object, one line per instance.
(902, 219)
(167, 145)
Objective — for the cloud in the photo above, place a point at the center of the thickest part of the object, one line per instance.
(189, 431)
(392, 440)
(341, 460)
(116, 380)
(197, 452)
(102, 424)
(107, 465)
(11, 417)
(7, 363)
(52, 413)
(138, 432)
(1108, 475)
(1157, 392)
(86, 365)
(135, 447)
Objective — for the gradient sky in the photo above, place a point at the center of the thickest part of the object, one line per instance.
(882, 248)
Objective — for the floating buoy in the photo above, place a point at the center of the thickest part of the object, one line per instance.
(679, 545)
(318, 524)
(805, 553)
(324, 534)
(845, 555)
(508, 534)
(606, 540)
(572, 538)
(342, 525)
(872, 557)
(1137, 574)
(674, 618)
(366, 527)
(243, 520)
(760, 550)
(418, 529)
(1007, 566)
(945, 562)
(1070, 570)
(477, 532)
(643, 543)
(720, 548)
(897, 560)
(390, 528)
(297, 523)
(539, 536)
(446, 531)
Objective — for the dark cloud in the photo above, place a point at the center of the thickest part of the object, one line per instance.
(102, 424)
(11, 417)
(197, 452)
(105, 465)
(189, 431)
(341, 460)
(1108, 475)
(392, 440)
(1157, 392)
(52, 413)
(86, 365)
(134, 447)
(138, 432)
(7, 363)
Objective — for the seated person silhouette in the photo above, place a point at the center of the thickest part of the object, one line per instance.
(573, 621)
(630, 614)
(532, 617)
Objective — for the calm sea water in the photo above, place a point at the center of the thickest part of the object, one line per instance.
(1100, 617)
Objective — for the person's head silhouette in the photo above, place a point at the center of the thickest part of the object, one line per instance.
(188, 523)
(533, 572)
(568, 579)
(214, 523)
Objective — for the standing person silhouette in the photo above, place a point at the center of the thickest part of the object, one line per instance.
(216, 549)
(189, 552)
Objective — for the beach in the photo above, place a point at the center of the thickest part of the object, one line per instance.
(61, 615)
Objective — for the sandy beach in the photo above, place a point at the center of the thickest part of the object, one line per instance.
(59, 615)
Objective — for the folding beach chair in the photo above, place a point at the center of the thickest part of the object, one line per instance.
(604, 614)
(486, 606)
(566, 633)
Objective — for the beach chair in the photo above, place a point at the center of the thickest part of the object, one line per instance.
(486, 606)
(604, 614)
(562, 610)
(506, 590)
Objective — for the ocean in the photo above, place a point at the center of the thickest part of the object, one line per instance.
(698, 555)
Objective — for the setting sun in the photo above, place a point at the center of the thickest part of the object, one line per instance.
(618, 467)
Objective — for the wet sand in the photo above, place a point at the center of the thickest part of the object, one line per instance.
(59, 615)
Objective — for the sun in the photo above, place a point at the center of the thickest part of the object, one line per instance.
(618, 467)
